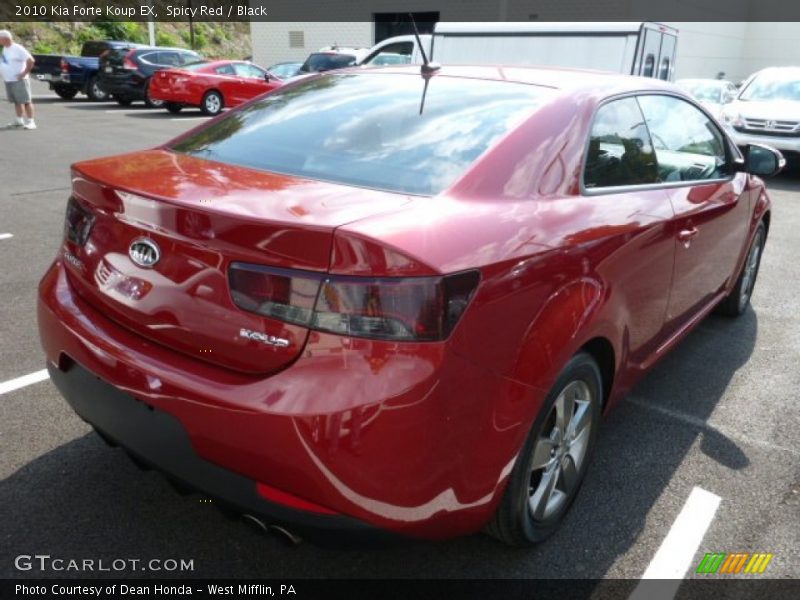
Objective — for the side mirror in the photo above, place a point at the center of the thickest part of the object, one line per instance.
(763, 160)
(728, 96)
(268, 76)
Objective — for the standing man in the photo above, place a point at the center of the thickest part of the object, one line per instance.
(15, 65)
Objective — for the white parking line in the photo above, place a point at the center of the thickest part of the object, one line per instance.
(21, 382)
(5, 236)
(674, 556)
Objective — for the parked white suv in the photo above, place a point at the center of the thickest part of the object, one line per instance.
(767, 111)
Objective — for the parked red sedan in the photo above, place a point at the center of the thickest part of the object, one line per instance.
(375, 300)
(211, 86)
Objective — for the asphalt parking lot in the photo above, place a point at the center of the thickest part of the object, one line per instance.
(720, 413)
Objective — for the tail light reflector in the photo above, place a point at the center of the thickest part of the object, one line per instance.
(64, 65)
(127, 62)
(401, 309)
(78, 222)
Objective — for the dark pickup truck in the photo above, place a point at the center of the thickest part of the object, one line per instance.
(68, 75)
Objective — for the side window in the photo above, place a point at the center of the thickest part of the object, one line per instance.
(688, 145)
(620, 150)
(224, 70)
(249, 71)
(151, 58)
(187, 58)
(169, 59)
(649, 66)
(392, 54)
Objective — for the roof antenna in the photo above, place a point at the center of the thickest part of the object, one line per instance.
(428, 68)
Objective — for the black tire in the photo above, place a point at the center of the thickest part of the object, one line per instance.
(65, 91)
(515, 523)
(123, 101)
(173, 107)
(736, 303)
(148, 101)
(212, 103)
(95, 92)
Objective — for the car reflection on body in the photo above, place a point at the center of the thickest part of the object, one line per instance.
(421, 292)
(211, 86)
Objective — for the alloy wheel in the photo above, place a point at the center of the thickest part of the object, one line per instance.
(560, 451)
(213, 105)
(751, 269)
(98, 93)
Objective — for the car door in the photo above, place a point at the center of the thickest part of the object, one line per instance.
(251, 81)
(227, 82)
(621, 180)
(666, 57)
(650, 51)
(708, 196)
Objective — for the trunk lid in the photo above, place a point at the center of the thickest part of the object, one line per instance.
(202, 216)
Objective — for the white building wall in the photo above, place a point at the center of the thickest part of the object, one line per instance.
(737, 49)
(270, 41)
(706, 49)
(771, 45)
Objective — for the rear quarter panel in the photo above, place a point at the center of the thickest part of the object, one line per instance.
(551, 260)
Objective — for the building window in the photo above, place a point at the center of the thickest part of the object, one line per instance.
(297, 39)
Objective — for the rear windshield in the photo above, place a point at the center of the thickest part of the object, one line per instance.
(705, 92)
(369, 130)
(327, 62)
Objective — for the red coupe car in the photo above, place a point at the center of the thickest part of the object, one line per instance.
(393, 301)
(211, 86)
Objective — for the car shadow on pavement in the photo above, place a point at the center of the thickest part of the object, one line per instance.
(164, 114)
(95, 106)
(84, 500)
(57, 100)
(787, 180)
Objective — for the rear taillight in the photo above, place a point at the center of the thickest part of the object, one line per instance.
(386, 308)
(127, 62)
(78, 223)
(64, 66)
(281, 294)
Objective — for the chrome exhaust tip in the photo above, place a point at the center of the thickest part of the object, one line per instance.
(255, 523)
(291, 539)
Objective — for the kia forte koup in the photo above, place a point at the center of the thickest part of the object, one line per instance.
(398, 302)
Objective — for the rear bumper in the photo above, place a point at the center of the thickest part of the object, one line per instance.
(159, 440)
(178, 96)
(133, 90)
(417, 441)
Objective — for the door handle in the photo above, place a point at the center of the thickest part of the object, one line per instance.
(686, 236)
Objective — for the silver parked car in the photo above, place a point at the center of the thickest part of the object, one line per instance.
(767, 111)
(713, 94)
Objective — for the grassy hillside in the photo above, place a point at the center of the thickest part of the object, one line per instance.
(213, 40)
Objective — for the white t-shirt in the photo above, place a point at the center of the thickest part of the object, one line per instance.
(12, 61)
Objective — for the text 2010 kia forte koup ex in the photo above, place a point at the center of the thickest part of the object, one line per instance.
(375, 301)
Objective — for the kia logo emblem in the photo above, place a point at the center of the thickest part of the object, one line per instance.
(144, 252)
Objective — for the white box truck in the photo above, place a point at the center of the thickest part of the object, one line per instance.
(634, 48)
